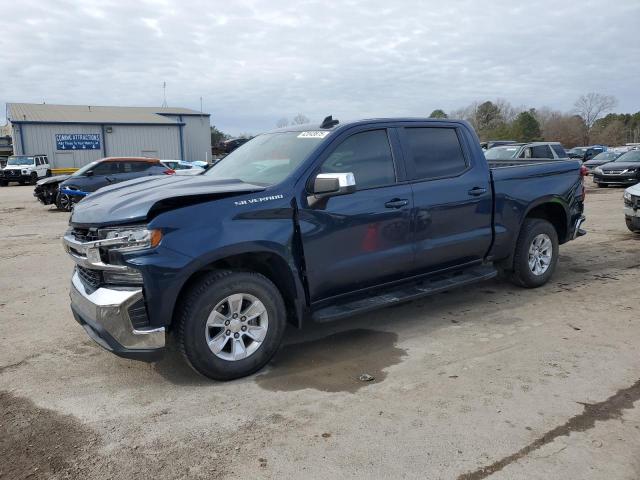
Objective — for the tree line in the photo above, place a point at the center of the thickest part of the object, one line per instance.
(590, 122)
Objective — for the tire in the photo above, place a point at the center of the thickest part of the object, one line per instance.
(33, 179)
(212, 292)
(64, 202)
(631, 226)
(48, 174)
(541, 232)
(3, 183)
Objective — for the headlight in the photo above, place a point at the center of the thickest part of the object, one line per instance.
(597, 170)
(627, 196)
(24, 172)
(131, 238)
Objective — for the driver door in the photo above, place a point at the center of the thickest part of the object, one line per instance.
(362, 239)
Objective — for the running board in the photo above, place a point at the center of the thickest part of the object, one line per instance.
(404, 293)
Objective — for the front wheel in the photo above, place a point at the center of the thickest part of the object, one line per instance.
(64, 202)
(230, 324)
(33, 178)
(536, 254)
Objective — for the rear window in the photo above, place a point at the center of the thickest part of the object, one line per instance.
(436, 152)
(129, 167)
(559, 151)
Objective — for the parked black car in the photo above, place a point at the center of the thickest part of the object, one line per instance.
(601, 159)
(624, 170)
(65, 190)
(585, 153)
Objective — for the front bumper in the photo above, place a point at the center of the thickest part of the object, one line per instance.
(15, 178)
(104, 314)
(108, 312)
(630, 179)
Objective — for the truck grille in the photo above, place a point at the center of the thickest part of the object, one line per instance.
(91, 278)
(85, 234)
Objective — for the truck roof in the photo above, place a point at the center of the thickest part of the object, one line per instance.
(350, 123)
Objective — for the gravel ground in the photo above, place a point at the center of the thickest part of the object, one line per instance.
(489, 381)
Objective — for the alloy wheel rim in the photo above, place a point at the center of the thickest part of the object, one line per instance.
(236, 327)
(65, 201)
(540, 254)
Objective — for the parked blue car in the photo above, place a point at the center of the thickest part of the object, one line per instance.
(106, 171)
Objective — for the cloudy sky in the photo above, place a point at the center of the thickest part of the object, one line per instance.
(253, 62)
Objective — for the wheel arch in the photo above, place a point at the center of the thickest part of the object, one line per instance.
(551, 209)
(268, 263)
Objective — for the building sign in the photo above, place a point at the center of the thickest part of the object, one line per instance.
(77, 141)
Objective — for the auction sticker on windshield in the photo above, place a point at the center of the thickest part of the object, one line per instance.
(314, 134)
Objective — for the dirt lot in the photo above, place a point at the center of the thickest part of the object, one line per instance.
(489, 381)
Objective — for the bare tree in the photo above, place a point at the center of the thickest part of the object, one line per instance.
(591, 107)
(300, 119)
(283, 122)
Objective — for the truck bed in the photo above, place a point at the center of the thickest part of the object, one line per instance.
(520, 162)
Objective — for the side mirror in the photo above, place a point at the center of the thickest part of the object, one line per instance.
(333, 184)
(89, 173)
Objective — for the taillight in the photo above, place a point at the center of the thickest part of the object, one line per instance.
(584, 171)
(169, 171)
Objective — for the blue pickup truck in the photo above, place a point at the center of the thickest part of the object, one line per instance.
(310, 224)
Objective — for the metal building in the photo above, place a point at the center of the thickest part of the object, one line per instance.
(74, 135)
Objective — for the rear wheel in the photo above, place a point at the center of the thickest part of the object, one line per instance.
(33, 178)
(536, 254)
(230, 324)
(48, 173)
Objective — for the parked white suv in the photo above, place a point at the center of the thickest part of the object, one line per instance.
(25, 169)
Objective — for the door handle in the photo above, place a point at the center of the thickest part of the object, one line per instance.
(475, 191)
(396, 203)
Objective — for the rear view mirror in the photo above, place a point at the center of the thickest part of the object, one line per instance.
(333, 184)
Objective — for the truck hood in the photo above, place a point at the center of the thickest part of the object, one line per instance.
(620, 165)
(132, 201)
(56, 179)
(635, 190)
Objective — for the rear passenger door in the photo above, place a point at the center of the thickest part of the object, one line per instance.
(452, 198)
(363, 239)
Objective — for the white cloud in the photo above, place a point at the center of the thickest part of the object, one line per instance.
(256, 61)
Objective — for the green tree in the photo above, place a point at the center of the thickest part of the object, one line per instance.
(217, 136)
(438, 113)
(526, 127)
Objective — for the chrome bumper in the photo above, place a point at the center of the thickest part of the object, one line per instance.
(577, 231)
(104, 314)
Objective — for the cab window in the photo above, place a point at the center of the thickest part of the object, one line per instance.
(436, 152)
(367, 155)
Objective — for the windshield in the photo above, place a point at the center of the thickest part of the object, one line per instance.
(632, 156)
(85, 169)
(578, 150)
(606, 156)
(267, 159)
(20, 160)
(501, 153)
